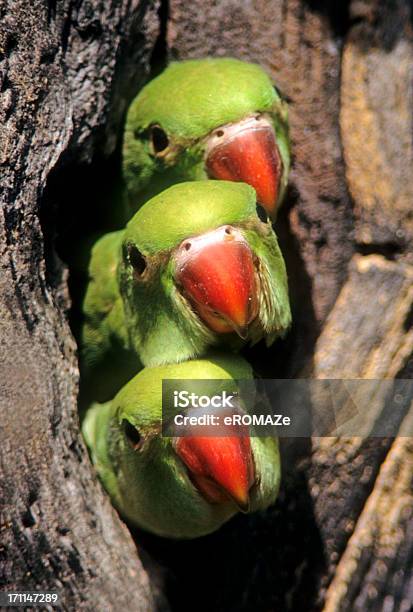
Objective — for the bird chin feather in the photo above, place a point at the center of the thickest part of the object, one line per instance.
(199, 330)
(269, 314)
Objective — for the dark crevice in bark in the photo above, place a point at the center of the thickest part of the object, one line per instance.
(337, 12)
(51, 10)
(240, 567)
(289, 355)
(408, 323)
(67, 25)
(389, 250)
(159, 57)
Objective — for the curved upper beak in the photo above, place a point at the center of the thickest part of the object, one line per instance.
(220, 466)
(247, 151)
(217, 273)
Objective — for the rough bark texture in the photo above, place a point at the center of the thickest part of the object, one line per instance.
(340, 535)
(63, 69)
(336, 539)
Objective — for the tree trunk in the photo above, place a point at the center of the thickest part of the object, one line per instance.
(339, 537)
(64, 67)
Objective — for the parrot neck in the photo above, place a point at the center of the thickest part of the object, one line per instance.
(188, 167)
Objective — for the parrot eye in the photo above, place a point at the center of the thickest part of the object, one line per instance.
(262, 214)
(132, 434)
(159, 139)
(136, 260)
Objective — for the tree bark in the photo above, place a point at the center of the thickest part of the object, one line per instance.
(68, 71)
(339, 537)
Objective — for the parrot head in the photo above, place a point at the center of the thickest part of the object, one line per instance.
(198, 268)
(186, 486)
(209, 118)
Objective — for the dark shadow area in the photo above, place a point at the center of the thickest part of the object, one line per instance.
(264, 561)
(389, 250)
(291, 356)
(336, 11)
(84, 201)
(380, 24)
(159, 55)
(77, 207)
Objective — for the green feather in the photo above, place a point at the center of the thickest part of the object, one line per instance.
(191, 98)
(150, 485)
(188, 101)
(162, 325)
(127, 318)
(106, 359)
(186, 210)
(274, 313)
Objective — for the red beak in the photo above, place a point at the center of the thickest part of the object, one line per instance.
(217, 273)
(247, 151)
(221, 468)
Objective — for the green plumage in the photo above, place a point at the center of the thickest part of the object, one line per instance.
(191, 98)
(147, 316)
(106, 359)
(150, 485)
(134, 312)
(187, 210)
(162, 325)
(188, 101)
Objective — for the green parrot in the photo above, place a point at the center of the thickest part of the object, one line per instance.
(195, 267)
(106, 359)
(209, 118)
(187, 486)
